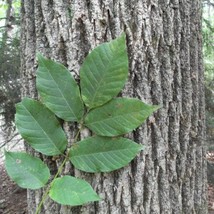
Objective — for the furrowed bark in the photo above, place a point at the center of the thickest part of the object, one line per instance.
(165, 64)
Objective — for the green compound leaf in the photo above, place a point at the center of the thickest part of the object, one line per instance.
(58, 90)
(119, 116)
(39, 126)
(27, 171)
(104, 72)
(72, 191)
(103, 154)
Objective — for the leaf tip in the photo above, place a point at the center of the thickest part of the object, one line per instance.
(156, 107)
(123, 35)
(98, 198)
(39, 56)
(141, 147)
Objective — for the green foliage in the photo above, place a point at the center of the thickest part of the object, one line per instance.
(72, 191)
(55, 83)
(27, 171)
(119, 116)
(208, 27)
(39, 127)
(103, 154)
(9, 79)
(102, 76)
(104, 73)
(208, 36)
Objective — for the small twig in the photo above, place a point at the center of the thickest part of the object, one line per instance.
(8, 140)
(57, 174)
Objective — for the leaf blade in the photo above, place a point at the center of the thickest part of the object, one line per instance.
(27, 171)
(72, 191)
(119, 116)
(103, 154)
(39, 127)
(104, 72)
(58, 90)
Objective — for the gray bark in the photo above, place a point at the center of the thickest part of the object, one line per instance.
(165, 61)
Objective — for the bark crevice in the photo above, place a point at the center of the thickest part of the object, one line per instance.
(165, 68)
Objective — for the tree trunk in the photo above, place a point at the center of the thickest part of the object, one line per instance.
(165, 61)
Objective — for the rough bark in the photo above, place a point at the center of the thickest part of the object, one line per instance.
(164, 47)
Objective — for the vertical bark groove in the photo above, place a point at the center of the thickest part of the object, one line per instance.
(165, 61)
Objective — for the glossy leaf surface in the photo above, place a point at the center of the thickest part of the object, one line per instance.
(72, 191)
(27, 171)
(39, 127)
(58, 90)
(104, 72)
(119, 116)
(103, 154)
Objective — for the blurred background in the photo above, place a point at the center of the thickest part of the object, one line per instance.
(9, 70)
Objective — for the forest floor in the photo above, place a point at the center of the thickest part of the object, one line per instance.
(13, 199)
